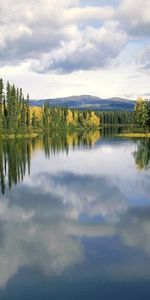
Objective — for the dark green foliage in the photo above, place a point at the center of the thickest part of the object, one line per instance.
(14, 109)
(117, 118)
(1, 103)
(46, 115)
(28, 113)
(16, 115)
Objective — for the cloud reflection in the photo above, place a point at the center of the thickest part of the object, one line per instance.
(43, 222)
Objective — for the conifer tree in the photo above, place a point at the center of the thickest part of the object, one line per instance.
(1, 103)
(28, 112)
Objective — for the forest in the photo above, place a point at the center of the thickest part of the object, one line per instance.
(139, 118)
(18, 116)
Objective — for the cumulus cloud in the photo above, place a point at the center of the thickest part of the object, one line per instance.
(134, 16)
(89, 13)
(64, 36)
(59, 36)
(90, 48)
(144, 59)
(28, 30)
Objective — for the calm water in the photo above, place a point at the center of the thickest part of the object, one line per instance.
(75, 219)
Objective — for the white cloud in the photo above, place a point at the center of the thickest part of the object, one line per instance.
(134, 15)
(82, 15)
(144, 59)
(64, 36)
(35, 32)
(90, 49)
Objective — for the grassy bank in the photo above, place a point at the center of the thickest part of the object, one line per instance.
(134, 135)
(39, 131)
(10, 136)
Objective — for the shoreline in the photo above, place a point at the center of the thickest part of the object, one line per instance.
(12, 136)
(134, 135)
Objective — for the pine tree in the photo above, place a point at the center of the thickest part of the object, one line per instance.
(23, 115)
(28, 112)
(1, 104)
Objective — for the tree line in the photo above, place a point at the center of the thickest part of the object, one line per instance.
(16, 114)
(139, 118)
(117, 117)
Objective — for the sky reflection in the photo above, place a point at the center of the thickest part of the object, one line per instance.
(88, 208)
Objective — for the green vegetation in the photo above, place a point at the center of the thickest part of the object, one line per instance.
(134, 134)
(117, 118)
(142, 113)
(139, 121)
(19, 119)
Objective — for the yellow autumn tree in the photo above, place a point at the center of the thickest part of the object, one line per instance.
(37, 112)
(93, 120)
(70, 119)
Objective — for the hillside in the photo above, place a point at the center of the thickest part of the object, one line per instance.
(89, 102)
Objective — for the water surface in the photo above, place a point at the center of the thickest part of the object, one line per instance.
(75, 218)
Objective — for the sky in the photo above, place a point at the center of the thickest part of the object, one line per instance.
(57, 48)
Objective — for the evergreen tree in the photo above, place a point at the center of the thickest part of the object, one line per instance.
(23, 115)
(28, 112)
(1, 103)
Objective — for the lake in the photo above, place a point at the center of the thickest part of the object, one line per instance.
(75, 218)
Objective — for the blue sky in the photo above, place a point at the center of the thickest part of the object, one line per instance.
(73, 47)
(99, 2)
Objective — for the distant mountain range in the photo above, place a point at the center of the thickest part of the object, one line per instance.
(89, 102)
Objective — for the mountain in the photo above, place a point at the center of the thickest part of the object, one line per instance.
(89, 102)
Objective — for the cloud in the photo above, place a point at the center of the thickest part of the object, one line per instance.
(90, 49)
(144, 60)
(134, 17)
(82, 15)
(64, 36)
(28, 30)
(63, 44)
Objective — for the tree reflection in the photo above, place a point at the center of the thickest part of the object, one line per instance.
(14, 160)
(142, 154)
(15, 155)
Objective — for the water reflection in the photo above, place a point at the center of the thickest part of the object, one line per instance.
(87, 208)
(15, 155)
(142, 154)
(44, 225)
